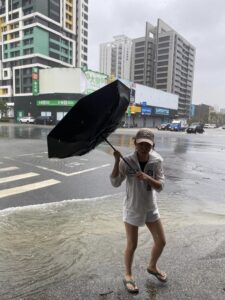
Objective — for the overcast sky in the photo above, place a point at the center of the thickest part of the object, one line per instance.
(201, 22)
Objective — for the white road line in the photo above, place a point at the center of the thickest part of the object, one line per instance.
(17, 177)
(58, 172)
(74, 173)
(8, 169)
(28, 154)
(31, 154)
(27, 188)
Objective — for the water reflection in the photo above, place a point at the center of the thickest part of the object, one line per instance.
(181, 146)
(23, 132)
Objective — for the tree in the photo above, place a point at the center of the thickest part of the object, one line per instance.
(3, 108)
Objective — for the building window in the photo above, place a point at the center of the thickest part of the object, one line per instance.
(28, 31)
(54, 55)
(54, 46)
(28, 42)
(164, 38)
(28, 51)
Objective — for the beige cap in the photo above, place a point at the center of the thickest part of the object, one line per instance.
(145, 135)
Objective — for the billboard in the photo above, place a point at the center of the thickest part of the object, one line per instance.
(95, 81)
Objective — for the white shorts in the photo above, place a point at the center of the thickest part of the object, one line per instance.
(139, 219)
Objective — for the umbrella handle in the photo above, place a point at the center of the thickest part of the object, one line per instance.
(105, 139)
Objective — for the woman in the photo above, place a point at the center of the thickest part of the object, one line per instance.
(144, 176)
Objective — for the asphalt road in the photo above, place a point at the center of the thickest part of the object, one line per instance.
(75, 251)
(28, 176)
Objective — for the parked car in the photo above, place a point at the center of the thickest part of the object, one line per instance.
(27, 120)
(164, 126)
(195, 128)
(44, 120)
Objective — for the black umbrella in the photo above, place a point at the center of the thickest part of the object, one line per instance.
(89, 122)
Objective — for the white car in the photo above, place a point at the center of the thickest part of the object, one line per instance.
(27, 120)
(210, 126)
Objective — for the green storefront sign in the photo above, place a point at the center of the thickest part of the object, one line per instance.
(56, 102)
(35, 81)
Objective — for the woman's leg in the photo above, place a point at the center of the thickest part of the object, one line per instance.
(158, 235)
(132, 240)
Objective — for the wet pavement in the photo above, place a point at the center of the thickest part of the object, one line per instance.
(72, 248)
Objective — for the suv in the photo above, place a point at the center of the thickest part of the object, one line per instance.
(44, 120)
(195, 127)
(27, 120)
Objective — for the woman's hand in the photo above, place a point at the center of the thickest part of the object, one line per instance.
(142, 176)
(117, 156)
(155, 184)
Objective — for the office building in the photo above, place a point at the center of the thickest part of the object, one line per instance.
(38, 34)
(115, 57)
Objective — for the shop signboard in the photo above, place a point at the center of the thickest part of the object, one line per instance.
(55, 102)
(146, 110)
(162, 111)
(35, 81)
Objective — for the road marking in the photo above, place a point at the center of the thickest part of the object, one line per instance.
(72, 164)
(17, 177)
(27, 188)
(74, 173)
(8, 169)
(30, 154)
(58, 172)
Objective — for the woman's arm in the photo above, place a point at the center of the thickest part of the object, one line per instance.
(118, 172)
(115, 171)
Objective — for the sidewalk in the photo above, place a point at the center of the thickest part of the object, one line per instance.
(193, 258)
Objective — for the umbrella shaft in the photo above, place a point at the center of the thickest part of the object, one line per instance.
(121, 155)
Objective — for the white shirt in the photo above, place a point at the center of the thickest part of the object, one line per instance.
(140, 197)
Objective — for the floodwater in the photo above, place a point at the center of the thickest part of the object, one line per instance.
(44, 245)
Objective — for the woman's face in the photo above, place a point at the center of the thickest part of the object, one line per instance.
(143, 148)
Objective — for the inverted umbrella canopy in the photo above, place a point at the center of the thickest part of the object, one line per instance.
(89, 122)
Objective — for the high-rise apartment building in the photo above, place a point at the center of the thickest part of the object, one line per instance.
(37, 34)
(162, 59)
(115, 57)
(165, 60)
(174, 61)
(143, 55)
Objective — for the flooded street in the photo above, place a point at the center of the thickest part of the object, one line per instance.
(75, 240)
